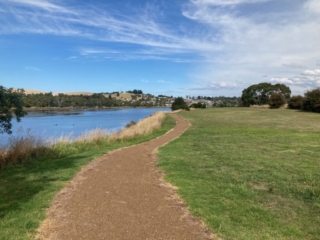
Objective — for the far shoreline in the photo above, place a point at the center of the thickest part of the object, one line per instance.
(65, 109)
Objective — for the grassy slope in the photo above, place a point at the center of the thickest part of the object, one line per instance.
(27, 190)
(249, 173)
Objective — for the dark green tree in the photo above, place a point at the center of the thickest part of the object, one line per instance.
(259, 94)
(179, 103)
(311, 101)
(11, 104)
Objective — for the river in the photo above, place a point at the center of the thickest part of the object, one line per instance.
(57, 123)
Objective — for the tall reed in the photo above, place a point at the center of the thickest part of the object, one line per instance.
(22, 147)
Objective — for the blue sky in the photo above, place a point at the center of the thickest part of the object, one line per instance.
(178, 47)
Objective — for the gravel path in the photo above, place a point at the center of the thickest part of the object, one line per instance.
(122, 196)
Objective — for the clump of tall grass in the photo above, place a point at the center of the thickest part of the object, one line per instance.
(141, 128)
(24, 147)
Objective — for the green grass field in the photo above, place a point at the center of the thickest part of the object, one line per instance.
(249, 173)
(27, 190)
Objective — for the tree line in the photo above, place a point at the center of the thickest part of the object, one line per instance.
(64, 100)
(278, 95)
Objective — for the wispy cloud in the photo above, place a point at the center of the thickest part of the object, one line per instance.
(164, 82)
(140, 28)
(227, 40)
(29, 68)
(41, 4)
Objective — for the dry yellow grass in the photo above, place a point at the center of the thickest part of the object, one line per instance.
(21, 148)
(143, 127)
(26, 146)
(124, 95)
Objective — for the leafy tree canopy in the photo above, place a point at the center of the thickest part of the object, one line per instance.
(11, 103)
(260, 93)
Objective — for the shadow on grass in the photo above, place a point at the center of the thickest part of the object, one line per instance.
(20, 184)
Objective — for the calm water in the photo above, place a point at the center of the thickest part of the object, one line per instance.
(54, 124)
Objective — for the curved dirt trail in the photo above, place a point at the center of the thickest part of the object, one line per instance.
(121, 196)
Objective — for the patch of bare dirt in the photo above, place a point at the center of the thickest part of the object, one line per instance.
(122, 195)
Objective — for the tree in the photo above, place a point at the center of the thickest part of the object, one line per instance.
(260, 93)
(311, 101)
(11, 103)
(179, 103)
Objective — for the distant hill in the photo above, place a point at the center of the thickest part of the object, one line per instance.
(119, 96)
(27, 91)
(75, 93)
(124, 96)
(33, 91)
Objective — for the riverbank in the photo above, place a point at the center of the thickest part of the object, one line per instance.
(27, 189)
(66, 109)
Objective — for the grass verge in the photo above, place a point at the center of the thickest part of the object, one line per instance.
(27, 189)
(249, 173)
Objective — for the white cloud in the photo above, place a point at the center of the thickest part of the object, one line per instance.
(311, 72)
(220, 85)
(313, 6)
(308, 79)
(281, 80)
(258, 42)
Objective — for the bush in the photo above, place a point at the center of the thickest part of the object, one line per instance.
(295, 102)
(311, 101)
(131, 124)
(179, 103)
(22, 148)
(276, 100)
(198, 105)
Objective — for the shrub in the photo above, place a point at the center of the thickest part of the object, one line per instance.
(198, 105)
(131, 124)
(179, 103)
(276, 100)
(295, 102)
(21, 148)
(311, 101)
